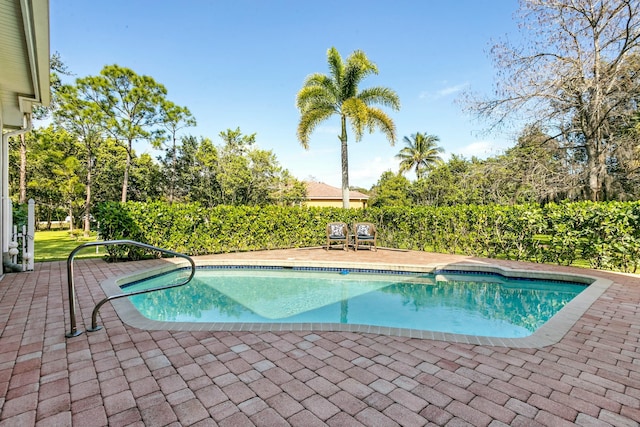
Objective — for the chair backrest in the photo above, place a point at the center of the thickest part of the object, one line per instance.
(337, 229)
(364, 229)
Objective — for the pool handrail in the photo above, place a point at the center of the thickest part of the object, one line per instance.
(72, 292)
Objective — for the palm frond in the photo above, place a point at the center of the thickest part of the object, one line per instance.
(309, 120)
(381, 120)
(318, 79)
(358, 59)
(336, 66)
(405, 165)
(405, 153)
(311, 96)
(357, 67)
(358, 114)
(409, 142)
(381, 96)
(420, 152)
(338, 93)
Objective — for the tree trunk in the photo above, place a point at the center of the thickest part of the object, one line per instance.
(87, 202)
(70, 219)
(345, 164)
(125, 180)
(596, 171)
(172, 181)
(23, 169)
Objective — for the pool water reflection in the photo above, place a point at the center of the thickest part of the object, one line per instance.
(482, 305)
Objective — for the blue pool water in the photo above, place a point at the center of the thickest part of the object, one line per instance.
(479, 304)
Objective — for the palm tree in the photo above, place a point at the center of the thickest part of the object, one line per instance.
(421, 152)
(323, 95)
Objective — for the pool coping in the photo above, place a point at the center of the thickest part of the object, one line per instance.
(549, 333)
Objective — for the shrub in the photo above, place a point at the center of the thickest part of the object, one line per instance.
(606, 235)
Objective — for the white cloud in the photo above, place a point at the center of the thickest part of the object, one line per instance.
(444, 92)
(452, 89)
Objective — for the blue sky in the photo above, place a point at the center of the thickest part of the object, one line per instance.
(240, 63)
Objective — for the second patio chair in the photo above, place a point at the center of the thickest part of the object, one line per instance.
(365, 233)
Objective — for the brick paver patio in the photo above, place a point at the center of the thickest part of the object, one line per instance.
(122, 375)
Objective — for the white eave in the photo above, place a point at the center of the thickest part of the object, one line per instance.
(24, 59)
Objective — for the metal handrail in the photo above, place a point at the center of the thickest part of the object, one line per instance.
(72, 291)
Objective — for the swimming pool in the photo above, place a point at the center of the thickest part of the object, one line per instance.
(466, 303)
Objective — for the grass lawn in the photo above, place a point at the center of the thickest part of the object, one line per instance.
(57, 245)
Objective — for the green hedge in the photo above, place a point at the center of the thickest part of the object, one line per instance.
(604, 235)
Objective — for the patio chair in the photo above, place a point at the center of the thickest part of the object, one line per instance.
(365, 233)
(338, 232)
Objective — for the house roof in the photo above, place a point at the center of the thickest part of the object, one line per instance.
(320, 190)
(24, 55)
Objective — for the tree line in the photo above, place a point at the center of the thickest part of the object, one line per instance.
(572, 87)
(87, 156)
(537, 169)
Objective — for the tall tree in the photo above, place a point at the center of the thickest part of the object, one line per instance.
(82, 119)
(233, 173)
(234, 167)
(391, 190)
(447, 184)
(196, 171)
(57, 68)
(323, 96)
(245, 174)
(237, 143)
(421, 153)
(570, 76)
(265, 173)
(172, 119)
(52, 151)
(146, 179)
(131, 106)
(70, 187)
(290, 192)
(111, 156)
(534, 170)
